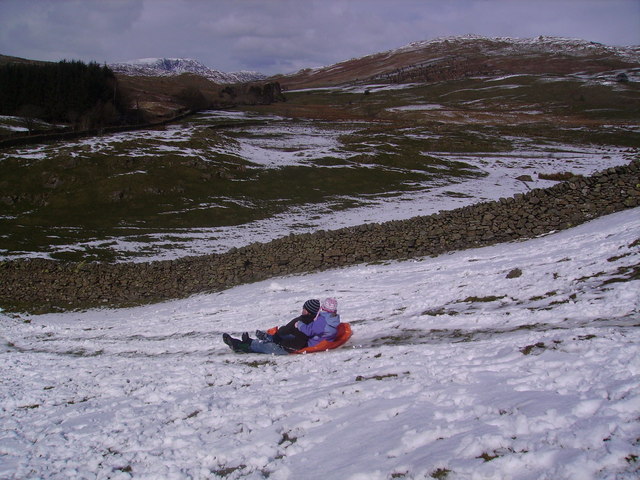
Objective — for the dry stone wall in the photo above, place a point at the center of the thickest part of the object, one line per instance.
(40, 285)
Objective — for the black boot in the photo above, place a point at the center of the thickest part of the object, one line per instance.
(229, 340)
(235, 344)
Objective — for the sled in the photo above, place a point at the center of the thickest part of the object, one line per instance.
(344, 334)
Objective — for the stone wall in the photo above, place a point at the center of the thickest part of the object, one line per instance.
(40, 285)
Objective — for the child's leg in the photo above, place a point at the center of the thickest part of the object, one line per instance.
(258, 346)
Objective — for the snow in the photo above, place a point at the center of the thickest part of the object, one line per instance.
(422, 106)
(454, 368)
(17, 124)
(264, 147)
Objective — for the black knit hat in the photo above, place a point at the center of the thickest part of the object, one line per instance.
(312, 306)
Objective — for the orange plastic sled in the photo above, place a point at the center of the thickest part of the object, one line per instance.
(344, 334)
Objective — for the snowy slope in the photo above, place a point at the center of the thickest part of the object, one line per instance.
(178, 66)
(455, 371)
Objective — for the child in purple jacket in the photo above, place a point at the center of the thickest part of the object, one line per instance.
(325, 325)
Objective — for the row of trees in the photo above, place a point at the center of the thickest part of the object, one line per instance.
(84, 95)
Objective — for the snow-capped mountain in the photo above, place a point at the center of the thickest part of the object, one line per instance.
(178, 66)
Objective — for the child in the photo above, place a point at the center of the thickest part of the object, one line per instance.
(325, 325)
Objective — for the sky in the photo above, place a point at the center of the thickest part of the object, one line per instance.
(284, 36)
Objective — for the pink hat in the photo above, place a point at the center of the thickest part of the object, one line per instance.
(330, 305)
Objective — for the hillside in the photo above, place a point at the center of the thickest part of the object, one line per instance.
(9, 59)
(459, 57)
(160, 97)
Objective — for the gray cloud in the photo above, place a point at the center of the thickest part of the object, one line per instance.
(278, 36)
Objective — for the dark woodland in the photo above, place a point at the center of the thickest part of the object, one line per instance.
(84, 95)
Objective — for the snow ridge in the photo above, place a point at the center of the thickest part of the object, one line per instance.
(177, 66)
(540, 44)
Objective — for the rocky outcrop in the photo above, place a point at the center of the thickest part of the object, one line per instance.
(44, 285)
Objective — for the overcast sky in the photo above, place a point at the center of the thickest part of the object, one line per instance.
(282, 36)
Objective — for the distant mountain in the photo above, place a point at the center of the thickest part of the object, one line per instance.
(457, 57)
(178, 66)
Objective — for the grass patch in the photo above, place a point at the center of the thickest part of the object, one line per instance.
(226, 471)
(488, 457)
(456, 194)
(515, 273)
(399, 474)
(444, 336)
(360, 378)
(436, 312)
(440, 473)
(487, 299)
(542, 297)
(402, 339)
(625, 274)
(586, 337)
(258, 363)
(558, 177)
(618, 257)
(533, 349)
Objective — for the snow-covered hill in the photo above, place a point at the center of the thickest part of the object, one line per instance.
(178, 66)
(449, 58)
(518, 361)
